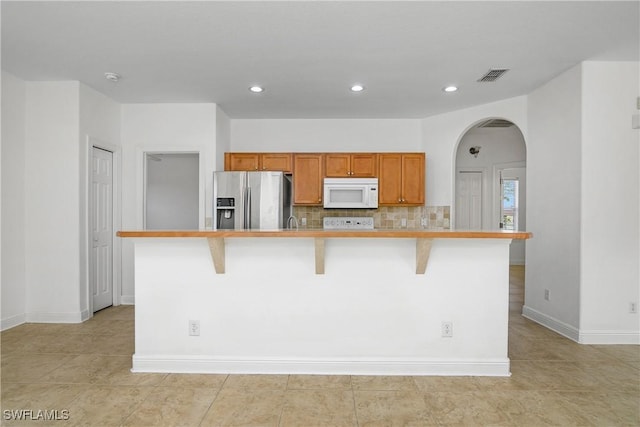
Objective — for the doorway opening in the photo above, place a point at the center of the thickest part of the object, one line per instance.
(171, 191)
(490, 181)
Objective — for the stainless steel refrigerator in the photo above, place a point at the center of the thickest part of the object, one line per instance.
(245, 200)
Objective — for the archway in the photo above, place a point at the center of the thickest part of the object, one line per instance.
(490, 180)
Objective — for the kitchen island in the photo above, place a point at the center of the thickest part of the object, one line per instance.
(322, 302)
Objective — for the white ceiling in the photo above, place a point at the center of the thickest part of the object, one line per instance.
(308, 53)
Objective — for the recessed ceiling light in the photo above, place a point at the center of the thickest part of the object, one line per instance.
(357, 88)
(450, 88)
(112, 77)
(256, 89)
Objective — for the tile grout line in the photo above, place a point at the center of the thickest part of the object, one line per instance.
(353, 397)
(204, 415)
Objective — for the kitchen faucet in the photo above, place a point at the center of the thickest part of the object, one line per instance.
(294, 220)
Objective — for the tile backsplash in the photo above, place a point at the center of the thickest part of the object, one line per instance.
(437, 217)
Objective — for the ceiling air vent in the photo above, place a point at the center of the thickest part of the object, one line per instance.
(496, 123)
(493, 75)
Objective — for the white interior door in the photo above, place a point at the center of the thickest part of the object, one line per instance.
(469, 200)
(101, 264)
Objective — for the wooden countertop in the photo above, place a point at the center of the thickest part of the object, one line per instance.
(424, 238)
(320, 233)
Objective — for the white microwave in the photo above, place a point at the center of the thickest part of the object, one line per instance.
(351, 193)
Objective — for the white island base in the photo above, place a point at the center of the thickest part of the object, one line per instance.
(368, 314)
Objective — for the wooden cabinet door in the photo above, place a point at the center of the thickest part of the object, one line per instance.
(307, 179)
(413, 172)
(241, 161)
(337, 165)
(401, 179)
(389, 178)
(276, 162)
(364, 165)
(351, 165)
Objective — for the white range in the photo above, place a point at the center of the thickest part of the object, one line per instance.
(347, 223)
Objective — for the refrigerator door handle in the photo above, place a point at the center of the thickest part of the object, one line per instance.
(247, 207)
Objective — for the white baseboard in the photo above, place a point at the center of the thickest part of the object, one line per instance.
(12, 321)
(46, 317)
(609, 337)
(582, 336)
(552, 323)
(127, 300)
(212, 365)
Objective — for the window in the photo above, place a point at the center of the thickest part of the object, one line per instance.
(509, 205)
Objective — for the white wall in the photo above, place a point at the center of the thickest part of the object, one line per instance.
(45, 196)
(610, 213)
(369, 314)
(223, 137)
(499, 146)
(161, 128)
(554, 181)
(442, 133)
(52, 202)
(13, 278)
(339, 135)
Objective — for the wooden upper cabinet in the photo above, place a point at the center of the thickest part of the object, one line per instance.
(351, 165)
(276, 162)
(337, 165)
(401, 179)
(389, 179)
(307, 179)
(413, 178)
(258, 162)
(241, 161)
(364, 165)
(401, 176)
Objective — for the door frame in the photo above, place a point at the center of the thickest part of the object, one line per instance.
(141, 178)
(495, 188)
(116, 151)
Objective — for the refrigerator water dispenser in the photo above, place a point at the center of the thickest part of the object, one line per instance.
(225, 213)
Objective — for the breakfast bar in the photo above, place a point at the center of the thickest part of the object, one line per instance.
(374, 302)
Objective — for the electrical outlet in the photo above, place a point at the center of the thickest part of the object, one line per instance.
(194, 328)
(403, 222)
(633, 308)
(447, 329)
(423, 222)
(546, 294)
(303, 221)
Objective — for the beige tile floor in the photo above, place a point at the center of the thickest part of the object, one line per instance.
(84, 368)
